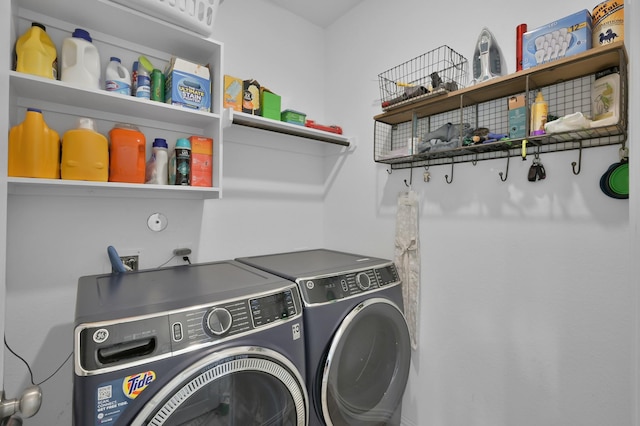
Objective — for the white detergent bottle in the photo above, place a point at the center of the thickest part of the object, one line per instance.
(80, 61)
(117, 78)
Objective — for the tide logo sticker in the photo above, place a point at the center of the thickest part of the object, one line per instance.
(132, 386)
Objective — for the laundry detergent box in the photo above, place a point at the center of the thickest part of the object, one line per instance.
(559, 39)
(517, 117)
(251, 97)
(201, 161)
(232, 93)
(188, 84)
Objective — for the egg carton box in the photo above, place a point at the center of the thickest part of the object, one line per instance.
(559, 39)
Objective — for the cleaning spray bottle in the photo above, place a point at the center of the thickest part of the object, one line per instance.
(539, 111)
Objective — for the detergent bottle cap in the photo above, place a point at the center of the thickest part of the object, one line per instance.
(34, 110)
(539, 97)
(183, 143)
(86, 123)
(160, 143)
(83, 34)
(145, 63)
(114, 59)
(39, 25)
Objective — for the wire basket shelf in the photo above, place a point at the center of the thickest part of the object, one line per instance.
(434, 73)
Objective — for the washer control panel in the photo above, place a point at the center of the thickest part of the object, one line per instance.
(341, 286)
(117, 344)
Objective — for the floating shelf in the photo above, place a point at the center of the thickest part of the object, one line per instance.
(576, 66)
(567, 77)
(234, 117)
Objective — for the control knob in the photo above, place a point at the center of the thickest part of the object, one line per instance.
(218, 321)
(363, 281)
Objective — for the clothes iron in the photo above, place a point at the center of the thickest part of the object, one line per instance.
(488, 61)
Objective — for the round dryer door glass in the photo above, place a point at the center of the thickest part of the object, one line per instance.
(367, 366)
(243, 389)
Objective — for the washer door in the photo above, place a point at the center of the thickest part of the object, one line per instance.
(241, 386)
(367, 366)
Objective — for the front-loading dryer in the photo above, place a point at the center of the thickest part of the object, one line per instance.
(211, 344)
(357, 339)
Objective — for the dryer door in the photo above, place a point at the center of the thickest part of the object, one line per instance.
(240, 386)
(367, 366)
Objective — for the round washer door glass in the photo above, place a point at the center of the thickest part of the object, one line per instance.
(367, 366)
(241, 389)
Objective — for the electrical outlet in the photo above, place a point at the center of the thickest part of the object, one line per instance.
(131, 261)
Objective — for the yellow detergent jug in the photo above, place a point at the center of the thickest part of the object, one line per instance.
(36, 54)
(85, 153)
(34, 148)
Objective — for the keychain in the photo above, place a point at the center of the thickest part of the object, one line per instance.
(536, 171)
(426, 175)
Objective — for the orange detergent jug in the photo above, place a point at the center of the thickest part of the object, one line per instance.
(34, 148)
(36, 53)
(85, 153)
(126, 154)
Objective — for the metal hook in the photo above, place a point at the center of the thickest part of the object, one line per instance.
(506, 174)
(389, 170)
(410, 178)
(446, 177)
(475, 160)
(579, 163)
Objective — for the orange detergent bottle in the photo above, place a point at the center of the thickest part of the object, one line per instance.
(34, 148)
(126, 154)
(85, 153)
(36, 53)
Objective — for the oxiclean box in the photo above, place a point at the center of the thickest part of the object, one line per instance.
(188, 84)
(559, 39)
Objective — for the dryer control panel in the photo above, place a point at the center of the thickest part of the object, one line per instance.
(325, 289)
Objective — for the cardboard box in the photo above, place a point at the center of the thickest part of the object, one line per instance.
(293, 117)
(251, 97)
(517, 117)
(270, 104)
(188, 84)
(557, 40)
(201, 161)
(232, 97)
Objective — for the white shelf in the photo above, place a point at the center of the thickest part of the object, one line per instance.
(59, 187)
(108, 17)
(61, 101)
(240, 118)
(54, 91)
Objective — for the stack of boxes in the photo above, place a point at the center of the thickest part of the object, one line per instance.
(250, 97)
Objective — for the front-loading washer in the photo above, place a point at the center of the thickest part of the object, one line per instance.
(357, 339)
(211, 344)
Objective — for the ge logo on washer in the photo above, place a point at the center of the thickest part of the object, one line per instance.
(310, 285)
(101, 335)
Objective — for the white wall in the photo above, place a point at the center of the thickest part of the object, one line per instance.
(528, 296)
(4, 117)
(528, 300)
(274, 187)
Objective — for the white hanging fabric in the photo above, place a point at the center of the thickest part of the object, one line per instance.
(407, 259)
